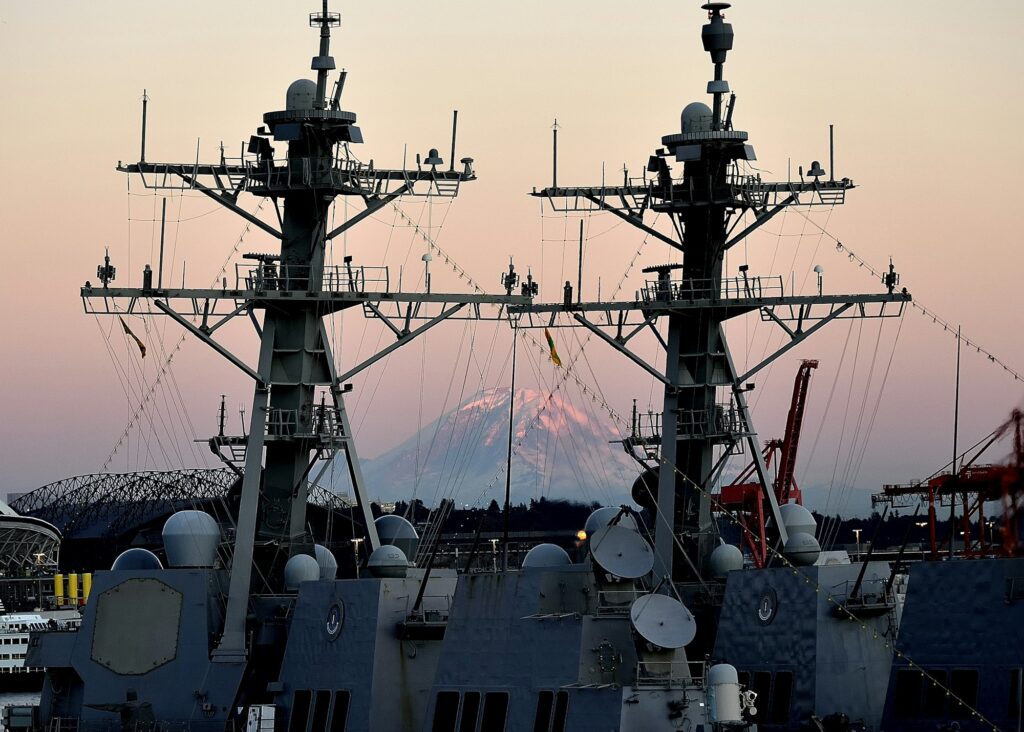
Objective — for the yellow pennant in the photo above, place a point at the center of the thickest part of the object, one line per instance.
(551, 347)
(128, 332)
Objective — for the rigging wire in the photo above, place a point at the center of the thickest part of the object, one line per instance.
(925, 310)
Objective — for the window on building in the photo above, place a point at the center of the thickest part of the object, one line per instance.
(300, 710)
(470, 711)
(935, 693)
(1016, 694)
(963, 683)
(446, 711)
(561, 711)
(762, 686)
(321, 710)
(781, 696)
(495, 710)
(907, 696)
(339, 714)
(545, 702)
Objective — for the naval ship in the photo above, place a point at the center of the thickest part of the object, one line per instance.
(246, 623)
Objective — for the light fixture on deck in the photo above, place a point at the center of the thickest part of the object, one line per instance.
(434, 157)
(819, 270)
(427, 259)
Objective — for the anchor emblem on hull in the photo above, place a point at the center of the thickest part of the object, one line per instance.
(335, 619)
(767, 606)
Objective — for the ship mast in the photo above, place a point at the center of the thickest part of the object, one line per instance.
(298, 415)
(705, 416)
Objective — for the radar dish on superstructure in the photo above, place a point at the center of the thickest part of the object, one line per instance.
(621, 552)
(662, 621)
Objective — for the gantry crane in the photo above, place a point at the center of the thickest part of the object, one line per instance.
(972, 486)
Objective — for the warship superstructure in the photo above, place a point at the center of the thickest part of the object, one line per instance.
(651, 630)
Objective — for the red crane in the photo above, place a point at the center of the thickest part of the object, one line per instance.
(745, 499)
(972, 486)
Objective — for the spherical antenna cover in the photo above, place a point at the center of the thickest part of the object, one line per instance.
(725, 558)
(136, 559)
(301, 95)
(388, 561)
(662, 621)
(602, 516)
(797, 519)
(802, 549)
(300, 568)
(645, 489)
(696, 117)
(391, 526)
(191, 539)
(621, 552)
(326, 562)
(545, 556)
(395, 530)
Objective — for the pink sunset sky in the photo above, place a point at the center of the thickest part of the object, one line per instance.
(924, 95)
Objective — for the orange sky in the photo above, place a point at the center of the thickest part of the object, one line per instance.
(924, 95)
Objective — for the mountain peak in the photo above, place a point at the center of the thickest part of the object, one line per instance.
(560, 450)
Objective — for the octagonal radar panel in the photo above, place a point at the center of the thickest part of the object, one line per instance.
(662, 621)
(621, 552)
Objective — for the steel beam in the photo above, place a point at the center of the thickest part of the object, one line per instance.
(621, 348)
(372, 206)
(402, 340)
(795, 339)
(210, 342)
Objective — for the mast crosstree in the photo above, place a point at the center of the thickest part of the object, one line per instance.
(298, 415)
(705, 416)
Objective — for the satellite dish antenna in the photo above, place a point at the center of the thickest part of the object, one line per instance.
(621, 552)
(662, 621)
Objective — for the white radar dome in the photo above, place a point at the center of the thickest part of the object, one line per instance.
(300, 568)
(797, 519)
(326, 561)
(545, 556)
(301, 95)
(191, 539)
(802, 549)
(724, 559)
(395, 530)
(603, 516)
(696, 117)
(388, 561)
(135, 559)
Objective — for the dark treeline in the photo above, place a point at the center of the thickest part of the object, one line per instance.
(542, 514)
(559, 515)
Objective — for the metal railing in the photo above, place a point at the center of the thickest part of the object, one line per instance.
(617, 602)
(719, 420)
(73, 724)
(265, 276)
(324, 421)
(872, 594)
(730, 288)
(671, 674)
(348, 175)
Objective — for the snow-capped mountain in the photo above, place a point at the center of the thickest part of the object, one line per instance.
(560, 450)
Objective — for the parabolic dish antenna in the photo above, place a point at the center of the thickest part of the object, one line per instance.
(621, 552)
(662, 621)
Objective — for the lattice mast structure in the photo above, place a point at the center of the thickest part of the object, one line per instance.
(690, 441)
(298, 415)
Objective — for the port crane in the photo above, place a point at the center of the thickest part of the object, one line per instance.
(972, 486)
(745, 498)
